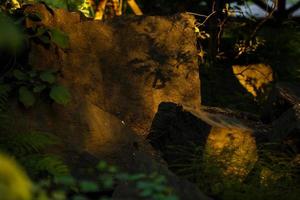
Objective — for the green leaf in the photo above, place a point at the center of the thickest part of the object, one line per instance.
(135, 177)
(59, 195)
(102, 165)
(112, 169)
(60, 94)
(108, 181)
(32, 73)
(53, 4)
(20, 75)
(65, 180)
(122, 176)
(146, 193)
(60, 38)
(88, 186)
(39, 88)
(11, 34)
(79, 197)
(26, 97)
(4, 88)
(47, 77)
(144, 185)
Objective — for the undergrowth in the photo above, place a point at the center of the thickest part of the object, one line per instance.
(28, 146)
(275, 175)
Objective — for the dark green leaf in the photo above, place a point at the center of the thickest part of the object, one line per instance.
(39, 88)
(60, 38)
(26, 97)
(59, 195)
(20, 75)
(11, 34)
(4, 88)
(108, 181)
(65, 180)
(135, 177)
(146, 193)
(32, 73)
(56, 3)
(79, 197)
(112, 169)
(47, 77)
(102, 165)
(88, 186)
(60, 94)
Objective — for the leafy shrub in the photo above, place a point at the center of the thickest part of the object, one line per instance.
(19, 77)
(152, 186)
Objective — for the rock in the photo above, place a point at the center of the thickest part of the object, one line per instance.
(178, 132)
(289, 92)
(254, 78)
(283, 97)
(117, 72)
(125, 66)
(287, 128)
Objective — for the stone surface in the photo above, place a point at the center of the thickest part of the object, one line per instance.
(283, 97)
(117, 72)
(222, 135)
(126, 66)
(287, 123)
(254, 78)
(286, 128)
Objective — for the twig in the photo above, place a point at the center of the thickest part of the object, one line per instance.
(263, 22)
(196, 14)
(207, 18)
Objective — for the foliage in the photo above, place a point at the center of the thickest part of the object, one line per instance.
(28, 146)
(31, 83)
(60, 94)
(11, 37)
(19, 187)
(151, 186)
(83, 6)
(28, 149)
(274, 176)
(20, 78)
(4, 93)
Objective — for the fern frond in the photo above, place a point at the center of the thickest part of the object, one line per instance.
(5, 122)
(4, 92)
(46, 164)
(33, 142)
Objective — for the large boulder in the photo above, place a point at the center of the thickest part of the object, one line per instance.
(284, 96)
(126, 66)
(286, 129)
(228, 138)
(255, 78)
(118, 72)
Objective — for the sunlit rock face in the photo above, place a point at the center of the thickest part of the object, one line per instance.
(234, 150)
(225, 137)
(126, 66)
(231, 142)
(255, 78)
